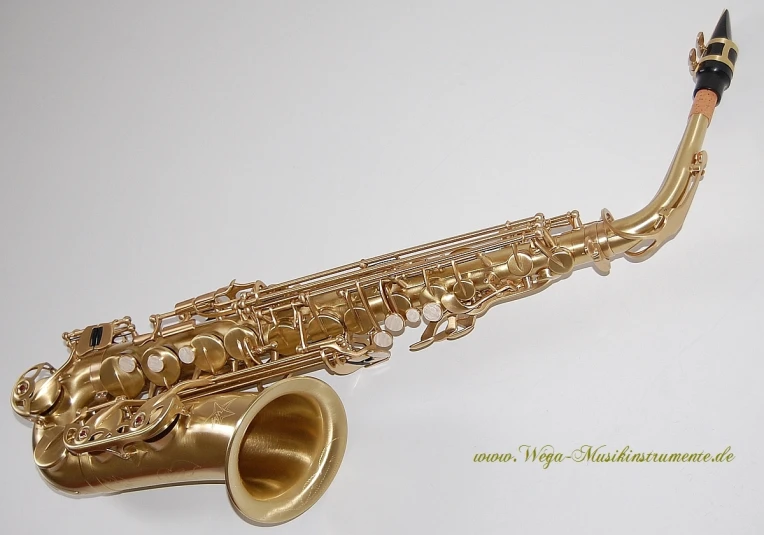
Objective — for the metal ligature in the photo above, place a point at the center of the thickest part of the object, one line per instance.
(214, 391)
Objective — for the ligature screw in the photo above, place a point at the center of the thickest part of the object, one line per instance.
(700, 44)
(693, 62)
(696, 53)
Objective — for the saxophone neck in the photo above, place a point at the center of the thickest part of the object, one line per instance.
(639, 235)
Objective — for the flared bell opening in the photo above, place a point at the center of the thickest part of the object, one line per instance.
(286, 450)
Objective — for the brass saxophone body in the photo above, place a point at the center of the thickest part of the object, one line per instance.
(130, 410)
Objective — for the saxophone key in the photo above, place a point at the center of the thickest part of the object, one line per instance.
(560, 261)
(464, 326)
(454, 305)
(121, 376)
(435, 332)
(357, 320)
(326, 324)
(433, 289)
(240, 343)
(394, 323)
(413, 316)
(286, 337)
(50, 450)
(186, 355)
(36, 391)
(432, 312)
(161, 366)
(377, 356)
(383, 339)
(519, 263)
(464, 290)
(400, 301)
(209, 352)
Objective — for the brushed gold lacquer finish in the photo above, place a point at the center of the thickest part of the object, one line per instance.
(130, 410)
(277, 451)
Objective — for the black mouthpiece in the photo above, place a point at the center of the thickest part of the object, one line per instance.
(716, 66)
(723, 29)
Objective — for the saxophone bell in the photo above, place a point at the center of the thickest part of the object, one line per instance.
(285, 450)
(277, 450)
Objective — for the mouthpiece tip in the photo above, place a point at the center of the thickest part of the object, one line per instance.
(723, 29)
(716, 59)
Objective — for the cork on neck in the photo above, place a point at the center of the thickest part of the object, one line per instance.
(704, 103)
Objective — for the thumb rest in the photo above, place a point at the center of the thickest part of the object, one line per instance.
(130, 410)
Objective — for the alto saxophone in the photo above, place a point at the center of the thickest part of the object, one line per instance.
(169, 406)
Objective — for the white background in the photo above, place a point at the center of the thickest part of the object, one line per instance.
(152, 152)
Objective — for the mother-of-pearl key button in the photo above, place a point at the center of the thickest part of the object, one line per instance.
(186, 354)
(413, 315)
(127, 364)
(432, 312)
(155, 363)
(383, 339)
(394, 322)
